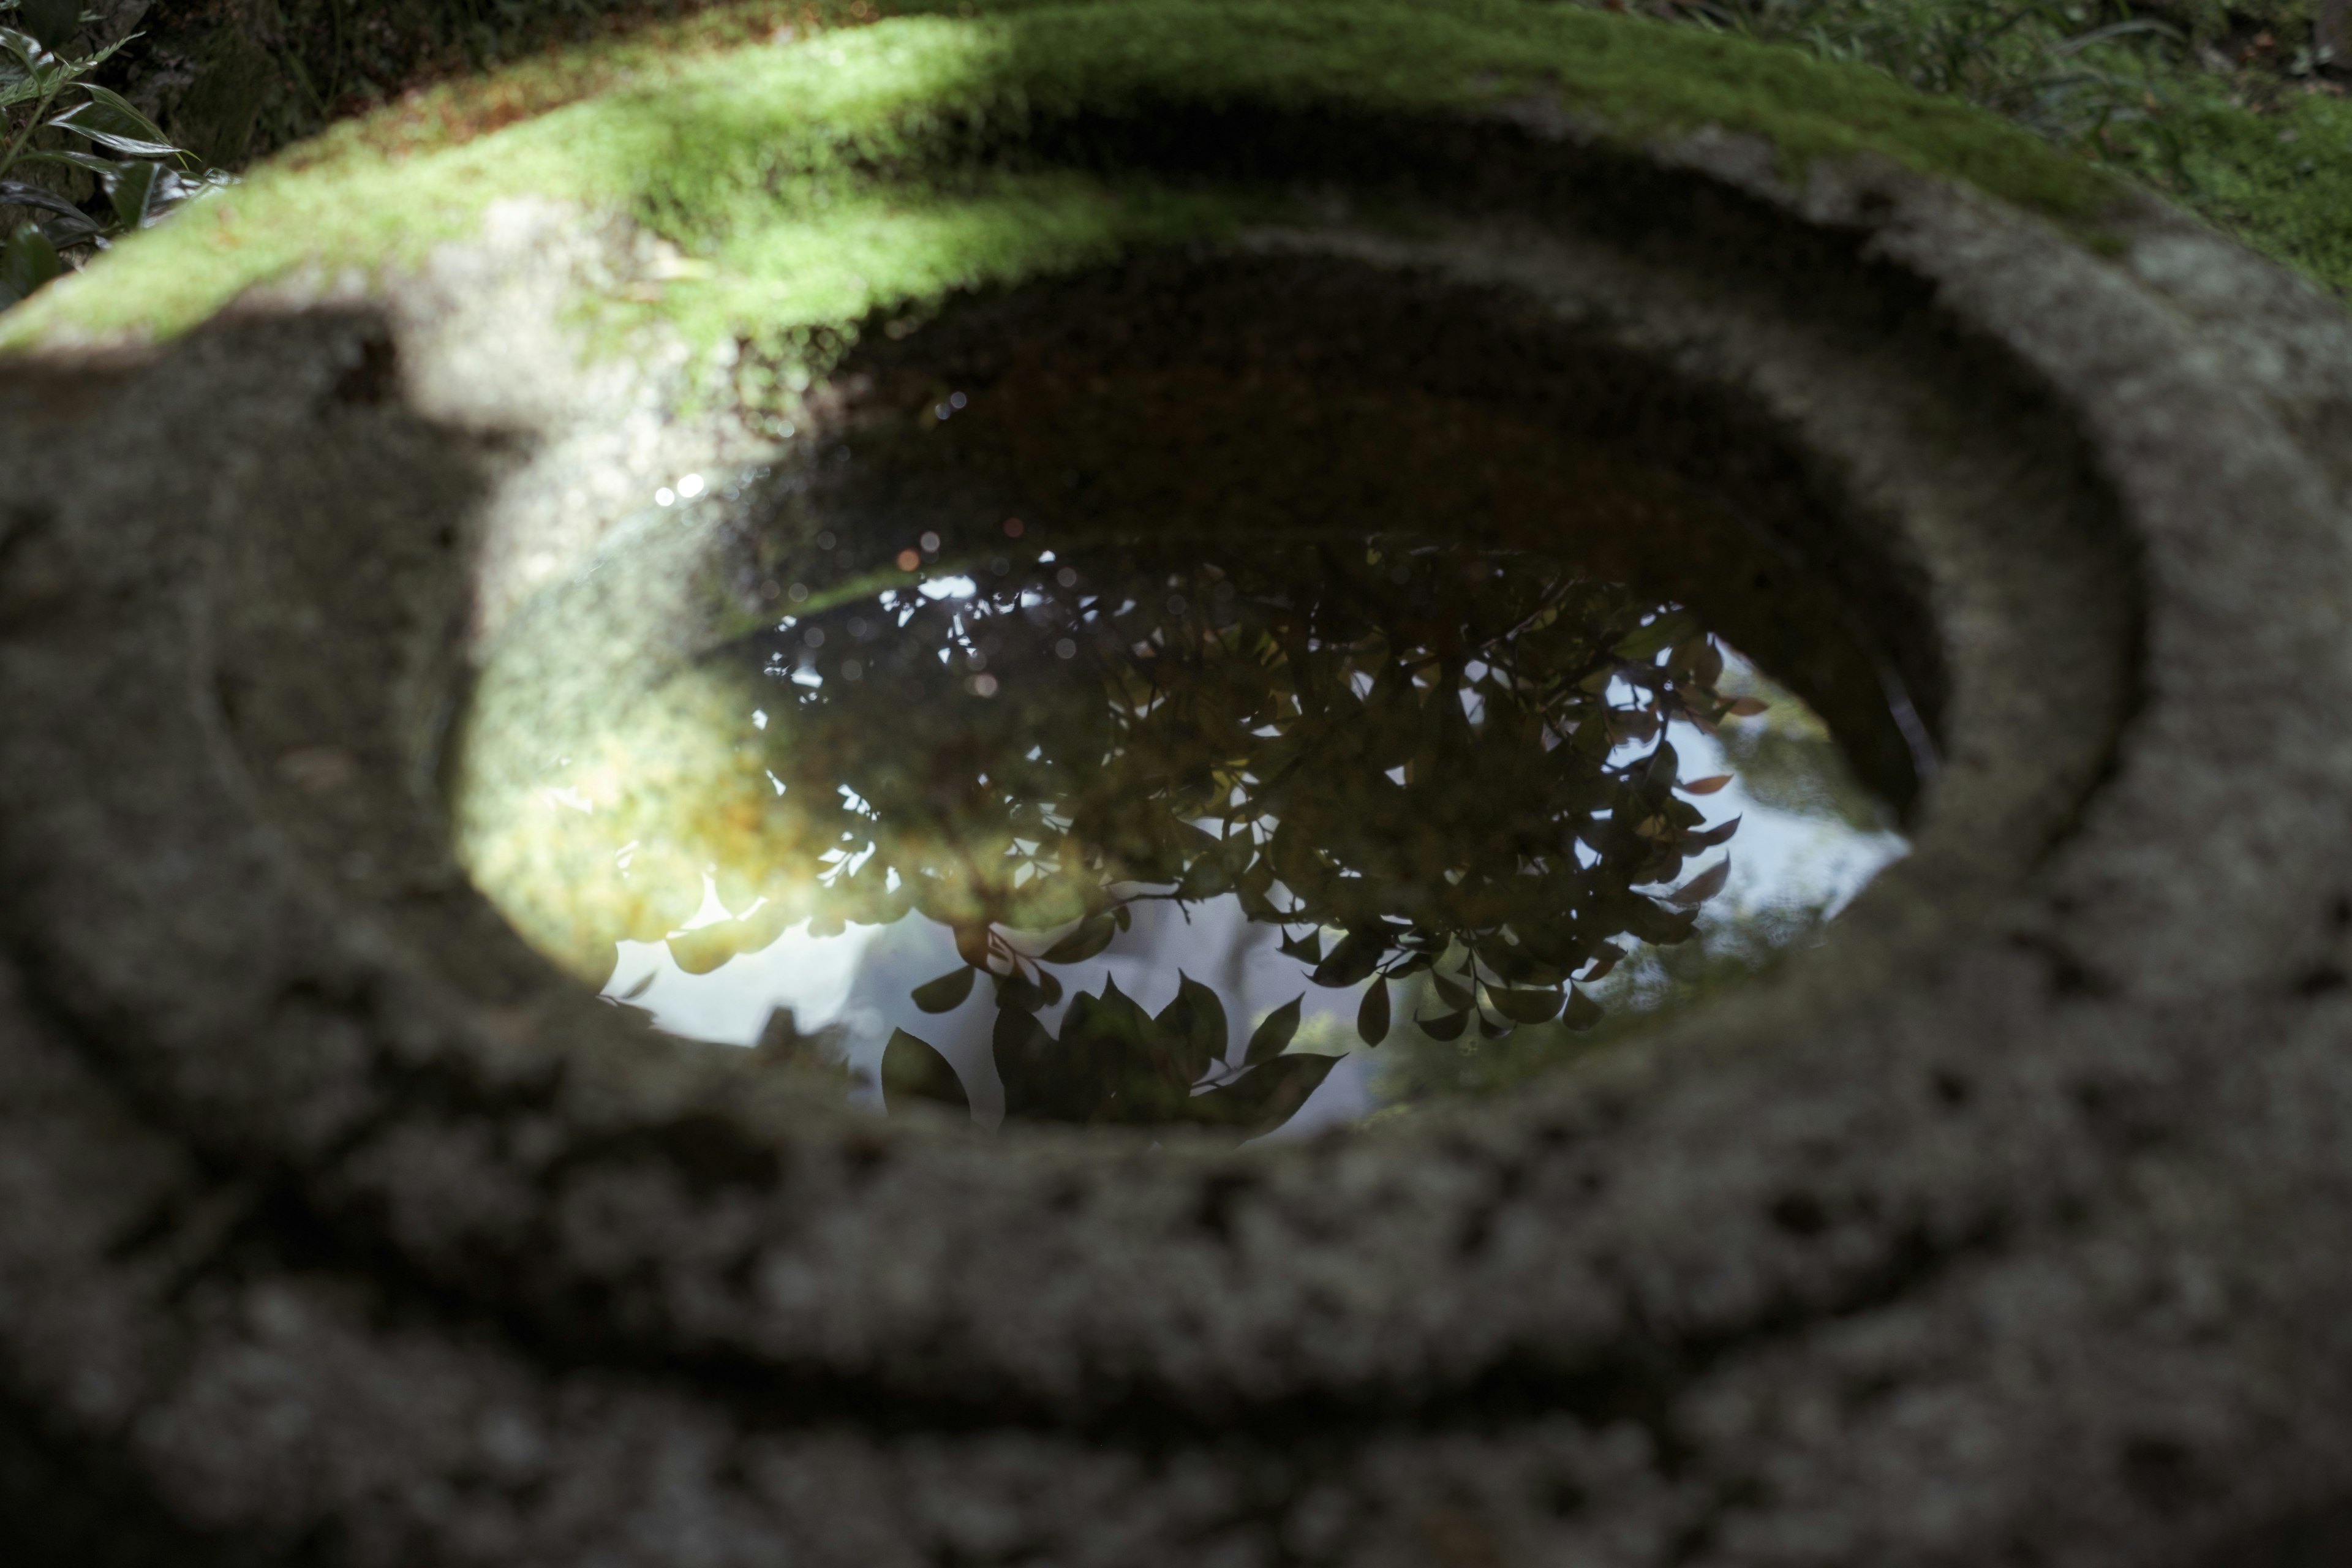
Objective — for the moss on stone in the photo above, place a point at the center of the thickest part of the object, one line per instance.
(748, 157)
(2280, 182)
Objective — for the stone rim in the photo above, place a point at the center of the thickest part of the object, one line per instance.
(2205, 458)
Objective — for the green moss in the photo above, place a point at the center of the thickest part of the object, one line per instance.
(747, 157)
(2282, 183)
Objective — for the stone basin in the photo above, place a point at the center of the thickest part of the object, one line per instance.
(341, 1226)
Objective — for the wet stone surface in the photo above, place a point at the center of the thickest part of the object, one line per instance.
(1330, 789)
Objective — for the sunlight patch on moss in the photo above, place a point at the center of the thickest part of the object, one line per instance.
(725, 153)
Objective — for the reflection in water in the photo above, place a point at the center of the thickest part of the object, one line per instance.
(1197, 829)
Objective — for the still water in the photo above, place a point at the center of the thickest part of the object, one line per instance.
(1259, 830)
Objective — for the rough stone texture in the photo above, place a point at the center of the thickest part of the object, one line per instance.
(336, 1230)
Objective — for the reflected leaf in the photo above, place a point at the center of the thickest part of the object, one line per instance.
(1657, 637)
(1445, 1025)
(1265, 1095)
(1581, 1011)
(1526, 1006)
(1692, 843)
(1358, 954)
(1707, 785)
(1025, 1058)
(706, 948)
(946, 993)
(973, 947)
(1092, 936)
(1372, 1016)
(1307, 949)
(1455, 993)
(1702, 887)
(1195, 1021)
(1273, 1036)
(914, 1068)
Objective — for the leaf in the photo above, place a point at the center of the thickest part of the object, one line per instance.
(1581, 1011)
(50, 21)
(1307, 949)
(1707, 786)
(1094, 934)
(946, 993)
(23, 47)
(133, 193)
(1273, 1036)
(1526, 1006)
(91, 161)
(1490, 1029)
(913, 1068)
(109, 120)
(1603, 962)
(124, 112)
(1663, 764)
(1702, 887)
(1745, 707)
(19, 87)
(17, 192)
(1445, 1025)
(1372, 1017)
(93, 121)
(1358, 954)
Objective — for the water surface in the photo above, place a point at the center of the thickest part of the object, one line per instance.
(1243, 827)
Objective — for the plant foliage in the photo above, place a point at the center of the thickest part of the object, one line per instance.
(139, 174)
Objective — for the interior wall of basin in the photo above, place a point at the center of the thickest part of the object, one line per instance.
(1538, 162)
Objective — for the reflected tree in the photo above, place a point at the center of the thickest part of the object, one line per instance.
(1409, 756)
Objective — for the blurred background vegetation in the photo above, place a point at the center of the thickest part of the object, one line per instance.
(2236, 110)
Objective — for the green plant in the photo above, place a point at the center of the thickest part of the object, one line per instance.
(136, 168)
(2063, 69)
